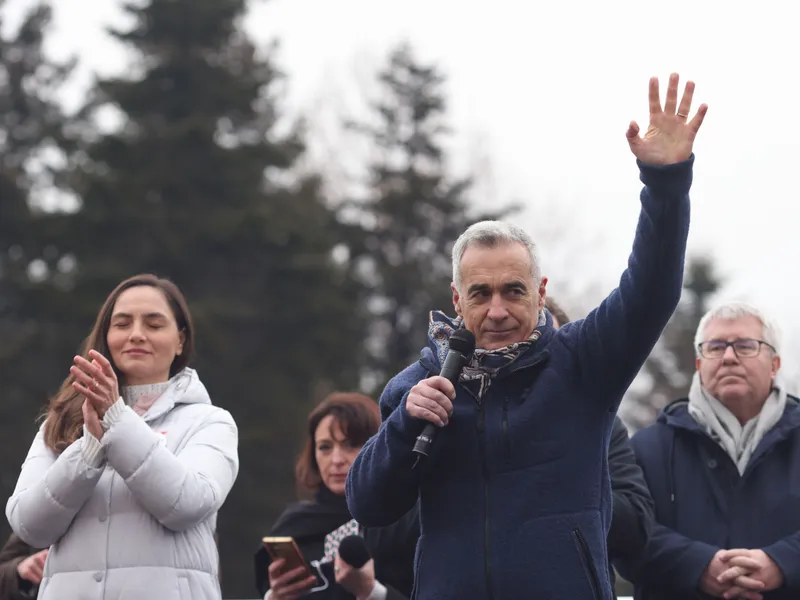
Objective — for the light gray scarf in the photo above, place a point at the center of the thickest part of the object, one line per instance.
(739, 441)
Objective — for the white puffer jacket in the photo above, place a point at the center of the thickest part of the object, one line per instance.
(141, 526)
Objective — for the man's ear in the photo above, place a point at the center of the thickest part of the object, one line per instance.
(456, 299)
(542, 293)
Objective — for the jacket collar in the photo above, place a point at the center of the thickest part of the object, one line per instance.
(676, 415)
(185, 388)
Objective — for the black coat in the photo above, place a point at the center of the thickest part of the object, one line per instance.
(12, 586)
(633, 507)
(391, 547)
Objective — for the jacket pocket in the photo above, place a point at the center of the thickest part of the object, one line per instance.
(588, 563)
(417, 567)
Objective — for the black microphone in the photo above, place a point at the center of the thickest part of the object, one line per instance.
(462, 345)
(353, 551)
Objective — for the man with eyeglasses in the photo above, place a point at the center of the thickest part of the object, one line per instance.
(723, 468)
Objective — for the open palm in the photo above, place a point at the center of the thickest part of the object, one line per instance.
(669, 137)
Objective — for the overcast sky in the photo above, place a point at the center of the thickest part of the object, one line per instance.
(542, 93)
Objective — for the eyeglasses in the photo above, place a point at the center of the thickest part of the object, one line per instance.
(742, 348)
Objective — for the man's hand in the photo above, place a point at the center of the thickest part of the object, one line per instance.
(358, 582)
(32, 568)
(669, 138)
(747, 568)
(711, 583)
(431, 400)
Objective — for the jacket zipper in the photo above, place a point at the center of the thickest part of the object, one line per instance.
(586, 559)
(482, 444)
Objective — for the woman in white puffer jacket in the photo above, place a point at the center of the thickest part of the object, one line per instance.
(125, 477)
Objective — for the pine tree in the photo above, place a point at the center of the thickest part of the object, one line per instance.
(32, 131)
(669, 369)
(199, 184)
(412, 212)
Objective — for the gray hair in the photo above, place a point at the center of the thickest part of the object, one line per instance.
(489, 234)
(730, 311)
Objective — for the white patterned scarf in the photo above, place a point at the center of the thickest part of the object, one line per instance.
(333, 539)
(739, 441)
(141, 397)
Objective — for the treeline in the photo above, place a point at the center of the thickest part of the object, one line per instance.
(205, 181)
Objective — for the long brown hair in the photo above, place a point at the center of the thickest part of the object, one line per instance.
(358, 416)
(63, 417)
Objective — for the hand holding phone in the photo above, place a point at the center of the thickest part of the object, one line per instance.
(290, 576)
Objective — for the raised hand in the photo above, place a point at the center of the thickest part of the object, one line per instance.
(669, 137)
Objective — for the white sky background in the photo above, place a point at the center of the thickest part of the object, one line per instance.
(540, 96)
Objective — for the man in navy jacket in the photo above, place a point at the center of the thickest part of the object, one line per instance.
(723, 467)
(515, 500)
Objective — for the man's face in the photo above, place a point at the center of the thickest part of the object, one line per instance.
(499, 300)
(733, 379)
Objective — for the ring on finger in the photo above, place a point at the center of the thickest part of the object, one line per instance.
(682, 116)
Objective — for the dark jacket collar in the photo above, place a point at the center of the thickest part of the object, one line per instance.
(676, 415)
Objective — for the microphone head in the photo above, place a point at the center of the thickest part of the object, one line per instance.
(353, 551)
(463, 342)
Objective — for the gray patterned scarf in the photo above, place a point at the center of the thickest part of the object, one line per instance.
(484, 364)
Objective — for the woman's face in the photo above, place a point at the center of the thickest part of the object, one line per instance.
(334, 454)
(143, 337)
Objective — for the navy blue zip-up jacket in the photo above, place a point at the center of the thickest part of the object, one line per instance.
(703, 505)
(515, 499)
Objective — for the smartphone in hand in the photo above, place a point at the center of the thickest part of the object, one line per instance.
(286, 548)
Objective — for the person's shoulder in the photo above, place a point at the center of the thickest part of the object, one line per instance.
(206, 411)
(413, 373)
(196, 417)
(659, 431)
(791, 414)
(294, 513)
(647, 434)
(406, 379)
(619, 432)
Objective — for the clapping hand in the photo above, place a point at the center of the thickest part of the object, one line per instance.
(669, 137)
(97, 383)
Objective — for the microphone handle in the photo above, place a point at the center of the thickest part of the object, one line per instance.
(451, 370)
(425, 439)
